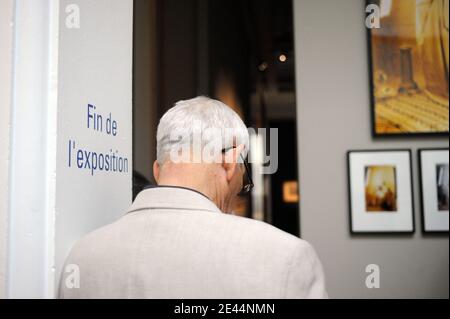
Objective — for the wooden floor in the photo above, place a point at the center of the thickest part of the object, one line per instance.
(412, 112)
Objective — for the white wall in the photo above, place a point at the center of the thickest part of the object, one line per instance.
(334, 116)
(94, 67)
(29, 262)
(57, 71)
(6, 35)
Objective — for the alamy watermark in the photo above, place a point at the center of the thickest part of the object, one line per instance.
(373, 279)
(212, 145)
(72, 276)
(72, 20)
(373, 17)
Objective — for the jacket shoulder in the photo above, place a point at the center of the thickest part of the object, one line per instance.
(263, 232)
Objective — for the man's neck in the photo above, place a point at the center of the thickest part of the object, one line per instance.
(178, 183)
(193, 176)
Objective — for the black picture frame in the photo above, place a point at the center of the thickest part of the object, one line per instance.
(406, 232)
(374, 132)
(422, 191)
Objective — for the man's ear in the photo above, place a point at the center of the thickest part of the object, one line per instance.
(231, 160)
(156, 169)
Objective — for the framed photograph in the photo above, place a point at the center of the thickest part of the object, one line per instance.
(433, 171)
(409, 66)
(380, 191)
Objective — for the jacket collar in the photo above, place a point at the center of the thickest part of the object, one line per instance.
(172, 197)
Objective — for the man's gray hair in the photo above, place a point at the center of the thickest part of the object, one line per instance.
(199, 114)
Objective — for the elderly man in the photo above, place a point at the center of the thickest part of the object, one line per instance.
(179, 239)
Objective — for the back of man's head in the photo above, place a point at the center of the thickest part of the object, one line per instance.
(199, 126)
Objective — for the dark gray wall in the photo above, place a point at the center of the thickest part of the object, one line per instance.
(145, 86)
(334, 116)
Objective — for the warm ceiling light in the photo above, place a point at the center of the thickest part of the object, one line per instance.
(263, 66)
(282, 58)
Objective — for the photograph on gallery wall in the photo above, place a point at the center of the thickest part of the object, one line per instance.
(433, 173)
(380, 191)
(408, 64)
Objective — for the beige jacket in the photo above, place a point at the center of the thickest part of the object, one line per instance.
(175, 243)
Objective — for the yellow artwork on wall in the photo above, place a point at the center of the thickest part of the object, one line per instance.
(409, 67)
